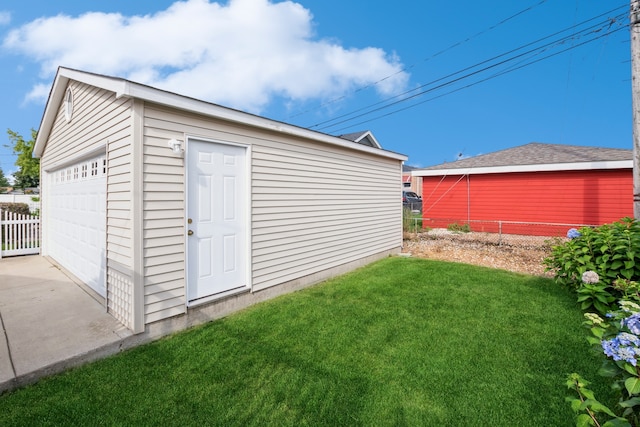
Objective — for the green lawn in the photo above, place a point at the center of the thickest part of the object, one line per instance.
(400, 342)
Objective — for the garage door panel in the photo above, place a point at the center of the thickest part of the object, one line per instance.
(78, 220)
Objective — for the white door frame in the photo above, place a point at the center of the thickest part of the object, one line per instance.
(247, 202)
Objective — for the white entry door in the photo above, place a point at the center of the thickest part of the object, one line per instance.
(217, 219)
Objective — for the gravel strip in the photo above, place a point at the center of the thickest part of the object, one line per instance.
(520, 254)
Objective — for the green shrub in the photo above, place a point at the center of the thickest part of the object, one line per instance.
(460, 228)
(595, 296)
(19, 208)
(611, 250)
(617, 336)
(602, 264)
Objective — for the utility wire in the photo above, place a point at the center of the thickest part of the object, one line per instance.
(453, 46)
(615, 19)
(439, 87)
(474, 66)
(408, 95)
(476, 82)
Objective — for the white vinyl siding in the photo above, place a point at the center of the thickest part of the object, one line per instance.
(163, 225)
(102, 123)
(317, 207)
(97, 118)
(119, 190)
(313, 206)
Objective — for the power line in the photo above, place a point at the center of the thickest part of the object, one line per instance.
(509, 70)
(409, 95)
(403, 94)
(445, 50)
(476, 82)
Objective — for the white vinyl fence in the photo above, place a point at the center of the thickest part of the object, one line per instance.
(33, 200)
(19, 234)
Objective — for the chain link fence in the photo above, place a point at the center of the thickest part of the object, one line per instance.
(500, 233)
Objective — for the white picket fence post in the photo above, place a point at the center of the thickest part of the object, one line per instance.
(20, 234)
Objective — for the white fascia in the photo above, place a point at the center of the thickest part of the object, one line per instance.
(125, 88)
(158, 96)
(548, 167)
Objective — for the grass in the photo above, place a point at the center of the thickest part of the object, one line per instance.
(411, 221)
(400, 342)
(28, 244)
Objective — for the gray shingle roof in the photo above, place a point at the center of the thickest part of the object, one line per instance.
(364, 137)
(353, 136)
(537, 153)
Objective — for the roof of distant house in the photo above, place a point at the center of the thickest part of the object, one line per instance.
(364, 137)
(536, 156)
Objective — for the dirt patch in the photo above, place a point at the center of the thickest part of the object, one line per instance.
(520, 254)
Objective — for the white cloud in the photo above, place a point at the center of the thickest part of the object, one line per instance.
(39, 93)
(239, 54)
(5, 18)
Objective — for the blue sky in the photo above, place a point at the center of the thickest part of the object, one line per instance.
(434, 80)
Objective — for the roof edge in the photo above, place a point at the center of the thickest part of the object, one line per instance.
(370, 135)
(46, 123)
(183, 102)
(56, 94)
(548, 167)
(126, 88)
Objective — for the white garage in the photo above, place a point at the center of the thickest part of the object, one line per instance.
(176, 210)
(77, 218)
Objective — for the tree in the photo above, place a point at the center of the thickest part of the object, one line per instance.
(28, 174)
(4, 182)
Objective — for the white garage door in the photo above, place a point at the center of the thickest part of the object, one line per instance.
(77, 220)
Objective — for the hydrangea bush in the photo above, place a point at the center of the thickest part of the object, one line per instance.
(611, 250)
(618, 336)
(573, 233)
(602, 265)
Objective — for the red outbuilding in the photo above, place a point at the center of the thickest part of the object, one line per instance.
(533, 189)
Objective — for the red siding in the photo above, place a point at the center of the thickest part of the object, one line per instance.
(567, 197)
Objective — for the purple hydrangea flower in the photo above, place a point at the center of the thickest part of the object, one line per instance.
(633, 323)
(573, 233)
(615, 349)
(610, 347)
(628, 354)
(627, 339)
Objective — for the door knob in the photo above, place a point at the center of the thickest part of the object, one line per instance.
(189, 232)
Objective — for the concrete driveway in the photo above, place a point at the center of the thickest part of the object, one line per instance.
(48, 322)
